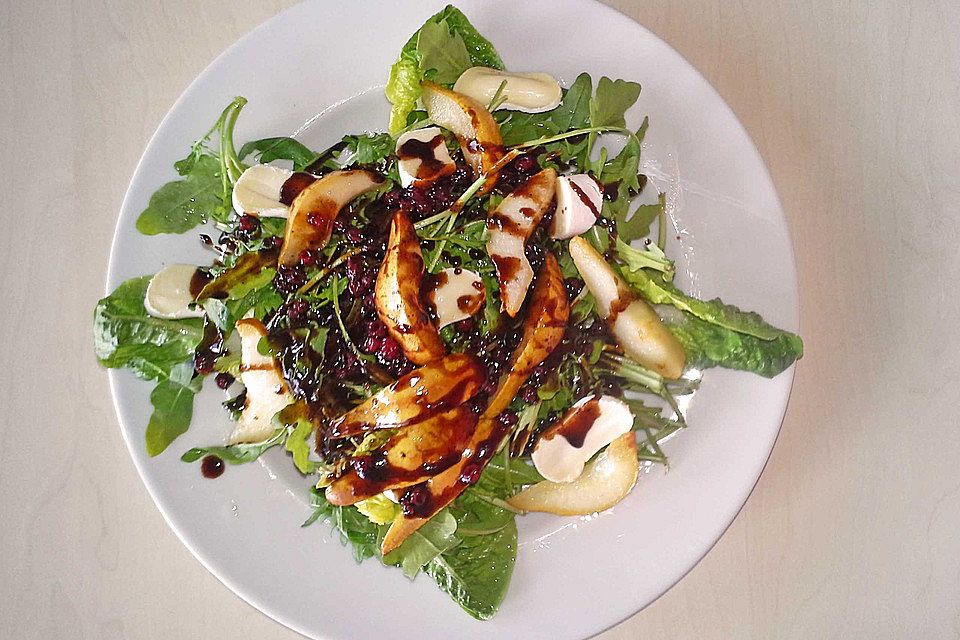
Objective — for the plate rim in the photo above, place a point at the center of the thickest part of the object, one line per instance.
(112, 280)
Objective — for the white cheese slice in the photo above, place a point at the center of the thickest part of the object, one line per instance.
(168, 294)
(257, 192)
(593, 422)
(458, 294)
(579, 203)
(413, 147)
(527, 92)
(267, 391)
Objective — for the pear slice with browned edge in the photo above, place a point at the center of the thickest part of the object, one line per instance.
(397, 295)
(421, 394)
(413, 455)
(314, 210)
(604, 482)
(474, 126)
(509, 227)
(267, 391)
(637, 327)
(543, 329)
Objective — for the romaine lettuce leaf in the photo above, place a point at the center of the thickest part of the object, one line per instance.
(446, 46)
(124, 335)
(425, 545)
(709, 345)
(715, 311)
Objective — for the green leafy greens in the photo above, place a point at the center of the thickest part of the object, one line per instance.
(443, 48)
(208, 178)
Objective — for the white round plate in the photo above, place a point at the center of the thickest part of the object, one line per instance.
(325, 64)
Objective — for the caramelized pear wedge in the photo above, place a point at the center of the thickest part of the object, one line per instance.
(604, 482)
(267, 391)
(509, 227)
(638, 329)
(413, 455)
(474, 126)
(397, 295)
(543, 329)
(421, 394)
(313, 211)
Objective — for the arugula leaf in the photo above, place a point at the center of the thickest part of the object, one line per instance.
(650, 257)
(370, 148)
(442, 52)
(279, 148)
(623, 170)
(482, 53)
(172, 401)
(237, 453)
(126, 336)
(709, 345)
(572, 113)
(611, 101)
(439, 54)
(354, 528)
(435, 537)
(181, 205)
(658, 291)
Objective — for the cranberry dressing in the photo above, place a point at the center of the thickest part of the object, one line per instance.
(293, 185)
(212, 467)
(585, 199)
(430, 168)
(198, 281)
(577, 423)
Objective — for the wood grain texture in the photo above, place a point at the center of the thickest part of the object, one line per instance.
(851, 531)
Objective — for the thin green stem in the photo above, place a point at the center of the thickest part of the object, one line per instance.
(494, 104)
(323, 273)
(343, 328)
(572, 134)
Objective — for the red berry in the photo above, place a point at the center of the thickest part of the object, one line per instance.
(203, 363)
(307, 258)
(470, 473)
(316, 218)
(248, 223)
(525, 164)
(390, 350)
(224, 380)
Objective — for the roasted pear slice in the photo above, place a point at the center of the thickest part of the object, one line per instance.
(413, 455)
(542, 331)
(509, 226)
(267, 391)
(474, 126)
(604, 482)
(313, 211)
(397, 295)
(415, 397)
(638, 329)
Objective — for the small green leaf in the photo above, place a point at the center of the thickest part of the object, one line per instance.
(436, 536)
(181, 205)
(299, 444)
(172, 401)
(236, 453)
(280, 148)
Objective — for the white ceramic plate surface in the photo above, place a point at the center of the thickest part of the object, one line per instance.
(325, 63)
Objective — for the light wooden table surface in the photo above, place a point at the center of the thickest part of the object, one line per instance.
(854, 528)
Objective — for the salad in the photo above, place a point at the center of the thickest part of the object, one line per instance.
(447, 325)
